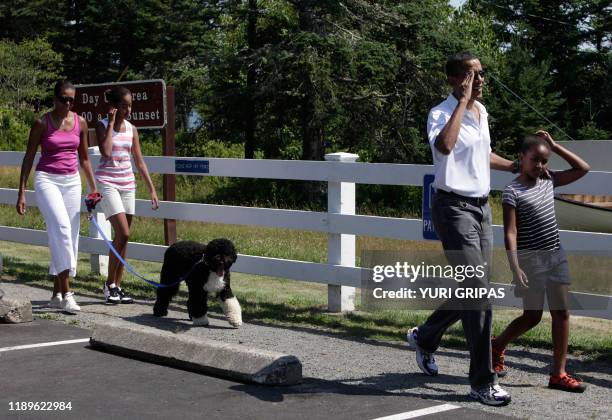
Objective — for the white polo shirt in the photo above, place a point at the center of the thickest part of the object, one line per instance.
(466, 169)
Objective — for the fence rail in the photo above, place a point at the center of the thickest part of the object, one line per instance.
(595, 182)
(339, 222)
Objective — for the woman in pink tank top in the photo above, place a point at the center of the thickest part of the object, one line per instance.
(62, 137)
(118, 142)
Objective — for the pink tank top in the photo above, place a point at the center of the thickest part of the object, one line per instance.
(59, 149)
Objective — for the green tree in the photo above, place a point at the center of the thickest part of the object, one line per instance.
(112, 40)
(27, 71)
(31, 19)
(14, 129)
(574, 38)
(510, 118)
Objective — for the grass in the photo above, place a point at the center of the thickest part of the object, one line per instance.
(50, 317)
(288, 303)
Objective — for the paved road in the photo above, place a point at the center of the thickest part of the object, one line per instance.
(103, 385)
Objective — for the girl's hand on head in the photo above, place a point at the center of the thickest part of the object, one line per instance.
(546, 136)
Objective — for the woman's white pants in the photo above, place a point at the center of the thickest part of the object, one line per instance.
(59, 201)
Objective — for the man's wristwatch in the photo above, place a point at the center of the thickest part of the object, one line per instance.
(516, 166)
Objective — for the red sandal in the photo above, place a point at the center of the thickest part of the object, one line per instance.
(497, 357)
(566, 383)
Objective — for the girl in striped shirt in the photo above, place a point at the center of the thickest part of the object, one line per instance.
(118, 143)
(539, 265)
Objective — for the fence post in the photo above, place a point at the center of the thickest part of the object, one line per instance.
(98, 263)
(341, 247)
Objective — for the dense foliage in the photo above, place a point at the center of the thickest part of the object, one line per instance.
(296, 79)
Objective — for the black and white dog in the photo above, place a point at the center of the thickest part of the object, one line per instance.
(207, 268)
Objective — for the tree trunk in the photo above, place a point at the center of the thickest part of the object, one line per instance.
(312, 145)
(251, 117)
(312, 130)
(312, 124)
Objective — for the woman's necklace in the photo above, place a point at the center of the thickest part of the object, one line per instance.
(57, 123)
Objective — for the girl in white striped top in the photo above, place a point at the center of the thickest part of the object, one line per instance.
(118, 143)
(539, 265)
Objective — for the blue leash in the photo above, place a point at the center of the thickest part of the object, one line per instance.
(129, 268)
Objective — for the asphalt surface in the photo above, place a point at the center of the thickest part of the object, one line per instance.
(103, 385)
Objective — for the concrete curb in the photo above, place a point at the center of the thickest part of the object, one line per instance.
(15, 309)
(200, 354)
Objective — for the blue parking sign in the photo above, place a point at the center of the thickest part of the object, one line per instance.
(428, 192)
(197, 166)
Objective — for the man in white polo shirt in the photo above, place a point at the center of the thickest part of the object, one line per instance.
(458, 134)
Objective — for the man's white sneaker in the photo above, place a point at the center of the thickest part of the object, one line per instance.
(69, 304)
(425, 360)
(56, 301)
(491, 395)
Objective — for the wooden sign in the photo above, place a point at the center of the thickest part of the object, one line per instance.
(148, 102)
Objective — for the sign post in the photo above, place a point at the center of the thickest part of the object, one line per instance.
(169, 181)
(428, 192)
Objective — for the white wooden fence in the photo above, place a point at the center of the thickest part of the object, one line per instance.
(340, 222)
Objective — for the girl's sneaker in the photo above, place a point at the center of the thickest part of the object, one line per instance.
(111, 294)
(56, 301)
(566, 383)
(124, 298)
(69, 304)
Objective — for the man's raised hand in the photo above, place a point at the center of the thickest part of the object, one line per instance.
(466, 86)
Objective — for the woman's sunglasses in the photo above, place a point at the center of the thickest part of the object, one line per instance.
(65, 99)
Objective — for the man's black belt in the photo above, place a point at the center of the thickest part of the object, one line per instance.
(477, 201)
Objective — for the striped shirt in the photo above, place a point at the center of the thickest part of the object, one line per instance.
(535, 211)
(116, 170)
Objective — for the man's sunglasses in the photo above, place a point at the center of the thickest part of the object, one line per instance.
(480, 73)
(65, 99)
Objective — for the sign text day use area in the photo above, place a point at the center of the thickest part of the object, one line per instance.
(148, 102)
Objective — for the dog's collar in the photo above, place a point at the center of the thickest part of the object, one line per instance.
(193, 267)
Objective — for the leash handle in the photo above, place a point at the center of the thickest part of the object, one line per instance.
(91, 200)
